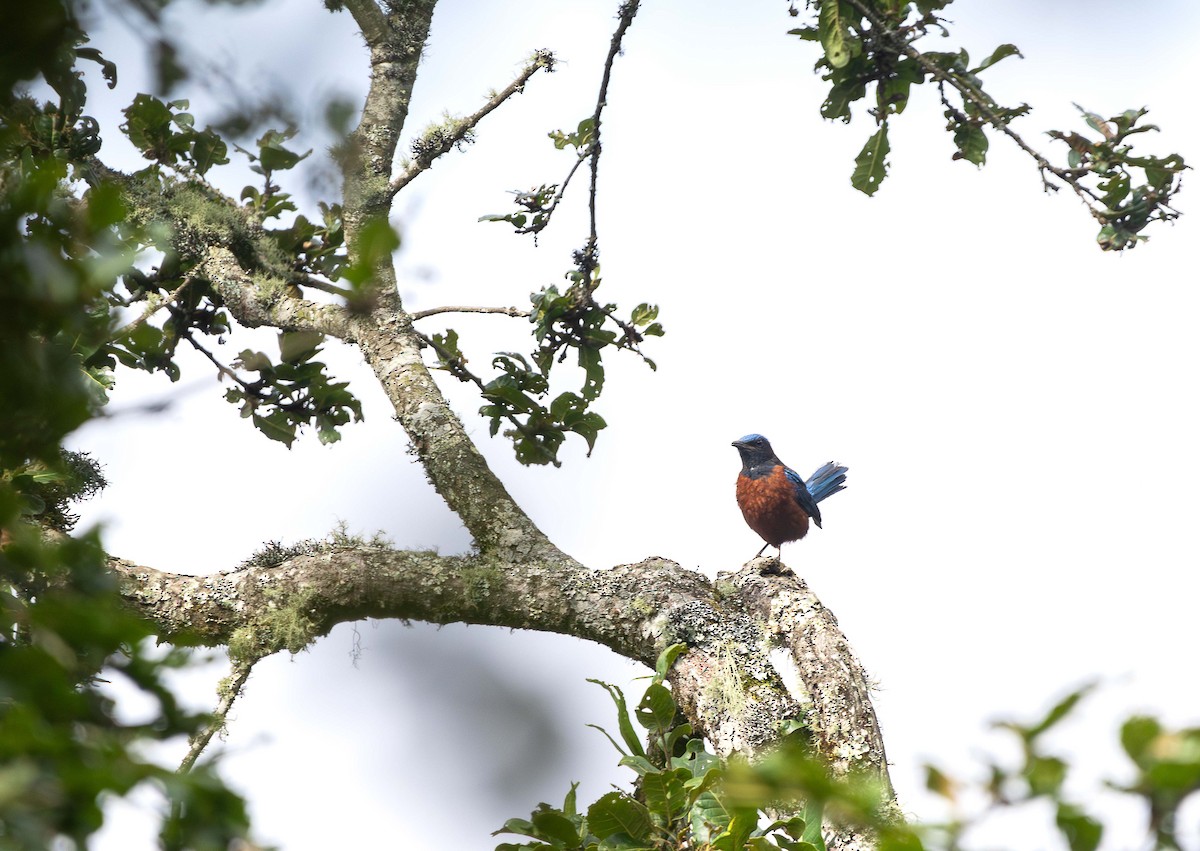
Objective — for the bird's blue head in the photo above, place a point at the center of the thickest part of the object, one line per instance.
(756, 451)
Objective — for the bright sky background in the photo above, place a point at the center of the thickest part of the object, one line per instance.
(1017, 409)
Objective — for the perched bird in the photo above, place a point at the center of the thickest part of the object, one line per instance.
(775, 501)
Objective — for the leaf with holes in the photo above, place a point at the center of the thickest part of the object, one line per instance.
(870, 166)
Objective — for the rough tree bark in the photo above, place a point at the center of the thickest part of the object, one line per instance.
(761, 647)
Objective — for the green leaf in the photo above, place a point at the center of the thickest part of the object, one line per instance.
(972, 143)
(708, 817)
(296, 346)
(1095, 121)
(1137, 734)
(938, 782)
(643, 314)
(208, 149)
(519, 826)
(277, 427)
(841, 95)
(569, 801)
(586, 425)
(870, 166)
(273, 155)
(623, 722)
(1058, 712)
(794, 827)
(665, 795)
(556, 826)
(639, 764)
(1082, 832)
(741, 825)
(834, 34)
(814, 811)
(656, 711)
(1045, 775)
(666, 659)
(681, 732)
(1002, 52)
(593, 367)
(617, 813)
(253, 361)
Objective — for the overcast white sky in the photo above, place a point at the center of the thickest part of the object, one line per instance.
(1016, 408)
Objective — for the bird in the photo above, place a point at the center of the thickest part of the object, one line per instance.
(775, 501)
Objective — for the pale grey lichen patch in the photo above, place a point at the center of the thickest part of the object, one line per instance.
(789, 673)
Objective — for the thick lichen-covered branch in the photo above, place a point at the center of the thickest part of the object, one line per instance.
(761, 648)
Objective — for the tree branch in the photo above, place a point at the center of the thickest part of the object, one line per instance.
(455, 466)
(154, 304)
(626, 14)
(506, 311)
(385, 335)
(395, 52)
(761, 647)
(228, 691)
(440, 139)
(332, 289)
(370, 19)
(256, 301)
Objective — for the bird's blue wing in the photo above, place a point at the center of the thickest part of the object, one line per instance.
(803, 496)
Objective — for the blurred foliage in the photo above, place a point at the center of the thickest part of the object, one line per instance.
(65, 632)
(684, 797)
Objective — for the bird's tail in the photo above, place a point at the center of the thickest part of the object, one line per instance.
(826, 481)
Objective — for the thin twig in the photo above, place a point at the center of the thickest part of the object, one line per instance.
(626, 14)
(229, 690)
(221, 368)
(318, 284)
(506, 311)
(155, 304)
(462, 128)
(591, 152)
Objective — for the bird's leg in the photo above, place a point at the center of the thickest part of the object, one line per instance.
(763, 550)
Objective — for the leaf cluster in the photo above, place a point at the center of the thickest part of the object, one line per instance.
(870, 54)
(1127, 205)
(565, 322)
(868, 46)
(293, 392)
(166, 134)
(680, 800)
(278, 398)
